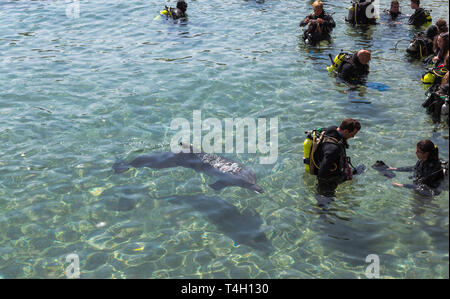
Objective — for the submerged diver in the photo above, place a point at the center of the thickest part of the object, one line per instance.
(320, 25)
(176, 13)
(354, 68)
(420, 15)
(428, 171)
(327, 157)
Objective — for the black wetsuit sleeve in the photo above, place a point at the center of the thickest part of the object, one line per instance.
(304, 23)
(329, 22)
(405, 169)
(421, 189)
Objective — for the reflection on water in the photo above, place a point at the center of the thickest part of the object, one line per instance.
(75, 93)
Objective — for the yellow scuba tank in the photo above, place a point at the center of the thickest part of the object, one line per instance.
(431, 76)
(428, 18)
(428, 78)
(308, 146)
(351, 18)
(336, 62)
(166, 11)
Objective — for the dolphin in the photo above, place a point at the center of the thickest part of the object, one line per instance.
(242, 228)
(228, 172)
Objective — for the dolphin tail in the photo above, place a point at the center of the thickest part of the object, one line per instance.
(120, 166)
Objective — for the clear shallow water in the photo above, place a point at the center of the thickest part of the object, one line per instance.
(75, 93)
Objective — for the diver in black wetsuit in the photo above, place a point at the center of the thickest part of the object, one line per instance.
(362, 12)
(428, 171)
(354, 68)
(176, 13)
(420, 15)
(394, 11)
(421, 45)
(437, 104)
(320, 24)
(331, 157)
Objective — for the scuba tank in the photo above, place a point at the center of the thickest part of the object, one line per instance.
(337, 61)
(427, 18)
(165, 11)
(444, 108)
(308, 145)
(433, 76)
(352, 10)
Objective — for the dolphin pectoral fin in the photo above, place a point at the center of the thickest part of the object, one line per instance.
(120, 166)
(219, 185)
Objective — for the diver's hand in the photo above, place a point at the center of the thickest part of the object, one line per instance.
(435, 58)
(307, 20)
(320, 21)
(397, 184)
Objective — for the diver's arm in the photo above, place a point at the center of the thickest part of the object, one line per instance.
(403, 169)
(329, 22)
(305, 21)
(421, 189)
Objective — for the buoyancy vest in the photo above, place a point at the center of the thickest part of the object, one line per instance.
(313, 142)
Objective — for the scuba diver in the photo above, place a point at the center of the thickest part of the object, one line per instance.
(428, 171)
(437, 104)
(394, 11)
(326, 157)
(437, 95)
(440, 48)
(442, 26)
(320, 24)
(176, 13)
(434, 77)
(420, 15)
(351, 68)
(361, 12)
(421, 45)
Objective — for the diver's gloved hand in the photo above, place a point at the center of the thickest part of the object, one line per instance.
(359, 169)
